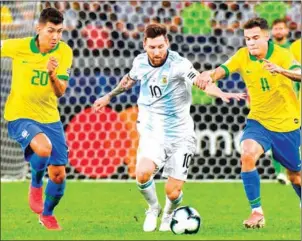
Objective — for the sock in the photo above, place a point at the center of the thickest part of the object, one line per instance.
(54, 192)
(148, 190)
(278, 167)
(297, 189)
(258, 209)
(172, 205)
(38, 166)
(251, 182)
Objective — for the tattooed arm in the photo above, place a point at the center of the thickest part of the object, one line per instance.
(125, 84)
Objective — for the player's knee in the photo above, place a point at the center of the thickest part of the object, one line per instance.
(248, 159)
(295, 178)
(44, 150)
(172, 191)
(57, 174)
(174, 194)
(143, 176)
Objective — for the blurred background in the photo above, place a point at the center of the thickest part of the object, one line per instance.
(105, 37)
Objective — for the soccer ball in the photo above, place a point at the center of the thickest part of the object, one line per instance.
(185, 220)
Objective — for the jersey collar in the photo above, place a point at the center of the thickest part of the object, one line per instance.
(162, 62)
(285, 45)
(268, 54)
(34, 47)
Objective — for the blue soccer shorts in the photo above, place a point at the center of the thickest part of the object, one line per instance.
(284, 145)
(24, 130)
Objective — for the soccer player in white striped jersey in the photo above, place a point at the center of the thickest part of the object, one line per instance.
(166, 129)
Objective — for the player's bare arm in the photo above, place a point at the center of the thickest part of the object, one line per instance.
(207, 77)
(213, 90)
(125, 84)
(58, 85)
(294, 74)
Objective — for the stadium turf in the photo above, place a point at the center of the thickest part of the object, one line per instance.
(115, 211)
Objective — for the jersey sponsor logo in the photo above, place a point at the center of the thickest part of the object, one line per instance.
(248, 72)
(296, 121)
(25, 134)
(24, 62)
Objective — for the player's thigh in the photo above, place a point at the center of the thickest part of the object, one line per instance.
(55, 133)
(255, 140)
(25, 132)
(285, 149)
(41, 145)
(252, 148)
(150, 155)
(178, 163)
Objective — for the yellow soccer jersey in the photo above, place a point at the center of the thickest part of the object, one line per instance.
(32, 95)
(6, 20)
(295, 48)
(273, 102)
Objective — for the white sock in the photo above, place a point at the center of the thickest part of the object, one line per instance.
(258, 209)
(172, 205)
(149, 192)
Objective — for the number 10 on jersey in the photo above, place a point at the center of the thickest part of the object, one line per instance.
(155, 91)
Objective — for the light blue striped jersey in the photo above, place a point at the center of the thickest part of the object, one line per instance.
(165, 96)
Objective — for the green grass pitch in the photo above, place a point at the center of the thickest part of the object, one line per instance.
(115, 211)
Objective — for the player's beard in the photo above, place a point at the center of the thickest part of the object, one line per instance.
(157, 61)
(279, 38)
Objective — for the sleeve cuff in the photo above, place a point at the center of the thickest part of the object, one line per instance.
(227, 72)
(131, 77)
(295, 67)
(63, 77)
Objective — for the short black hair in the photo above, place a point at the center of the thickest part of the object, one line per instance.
(51, 15)
(279, 20)
(256, 22)
(154, 30)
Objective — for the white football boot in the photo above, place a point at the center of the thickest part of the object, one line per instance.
(151, 219)
(282, 179)
(165, 222)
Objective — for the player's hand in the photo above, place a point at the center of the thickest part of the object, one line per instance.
(203, 80)
(271, 67)
(226, 97)
(100, 103)
(52, 65)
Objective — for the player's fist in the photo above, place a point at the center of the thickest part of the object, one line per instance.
(52, 65)
(271, 67)
(203, 80)
(100, 103)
